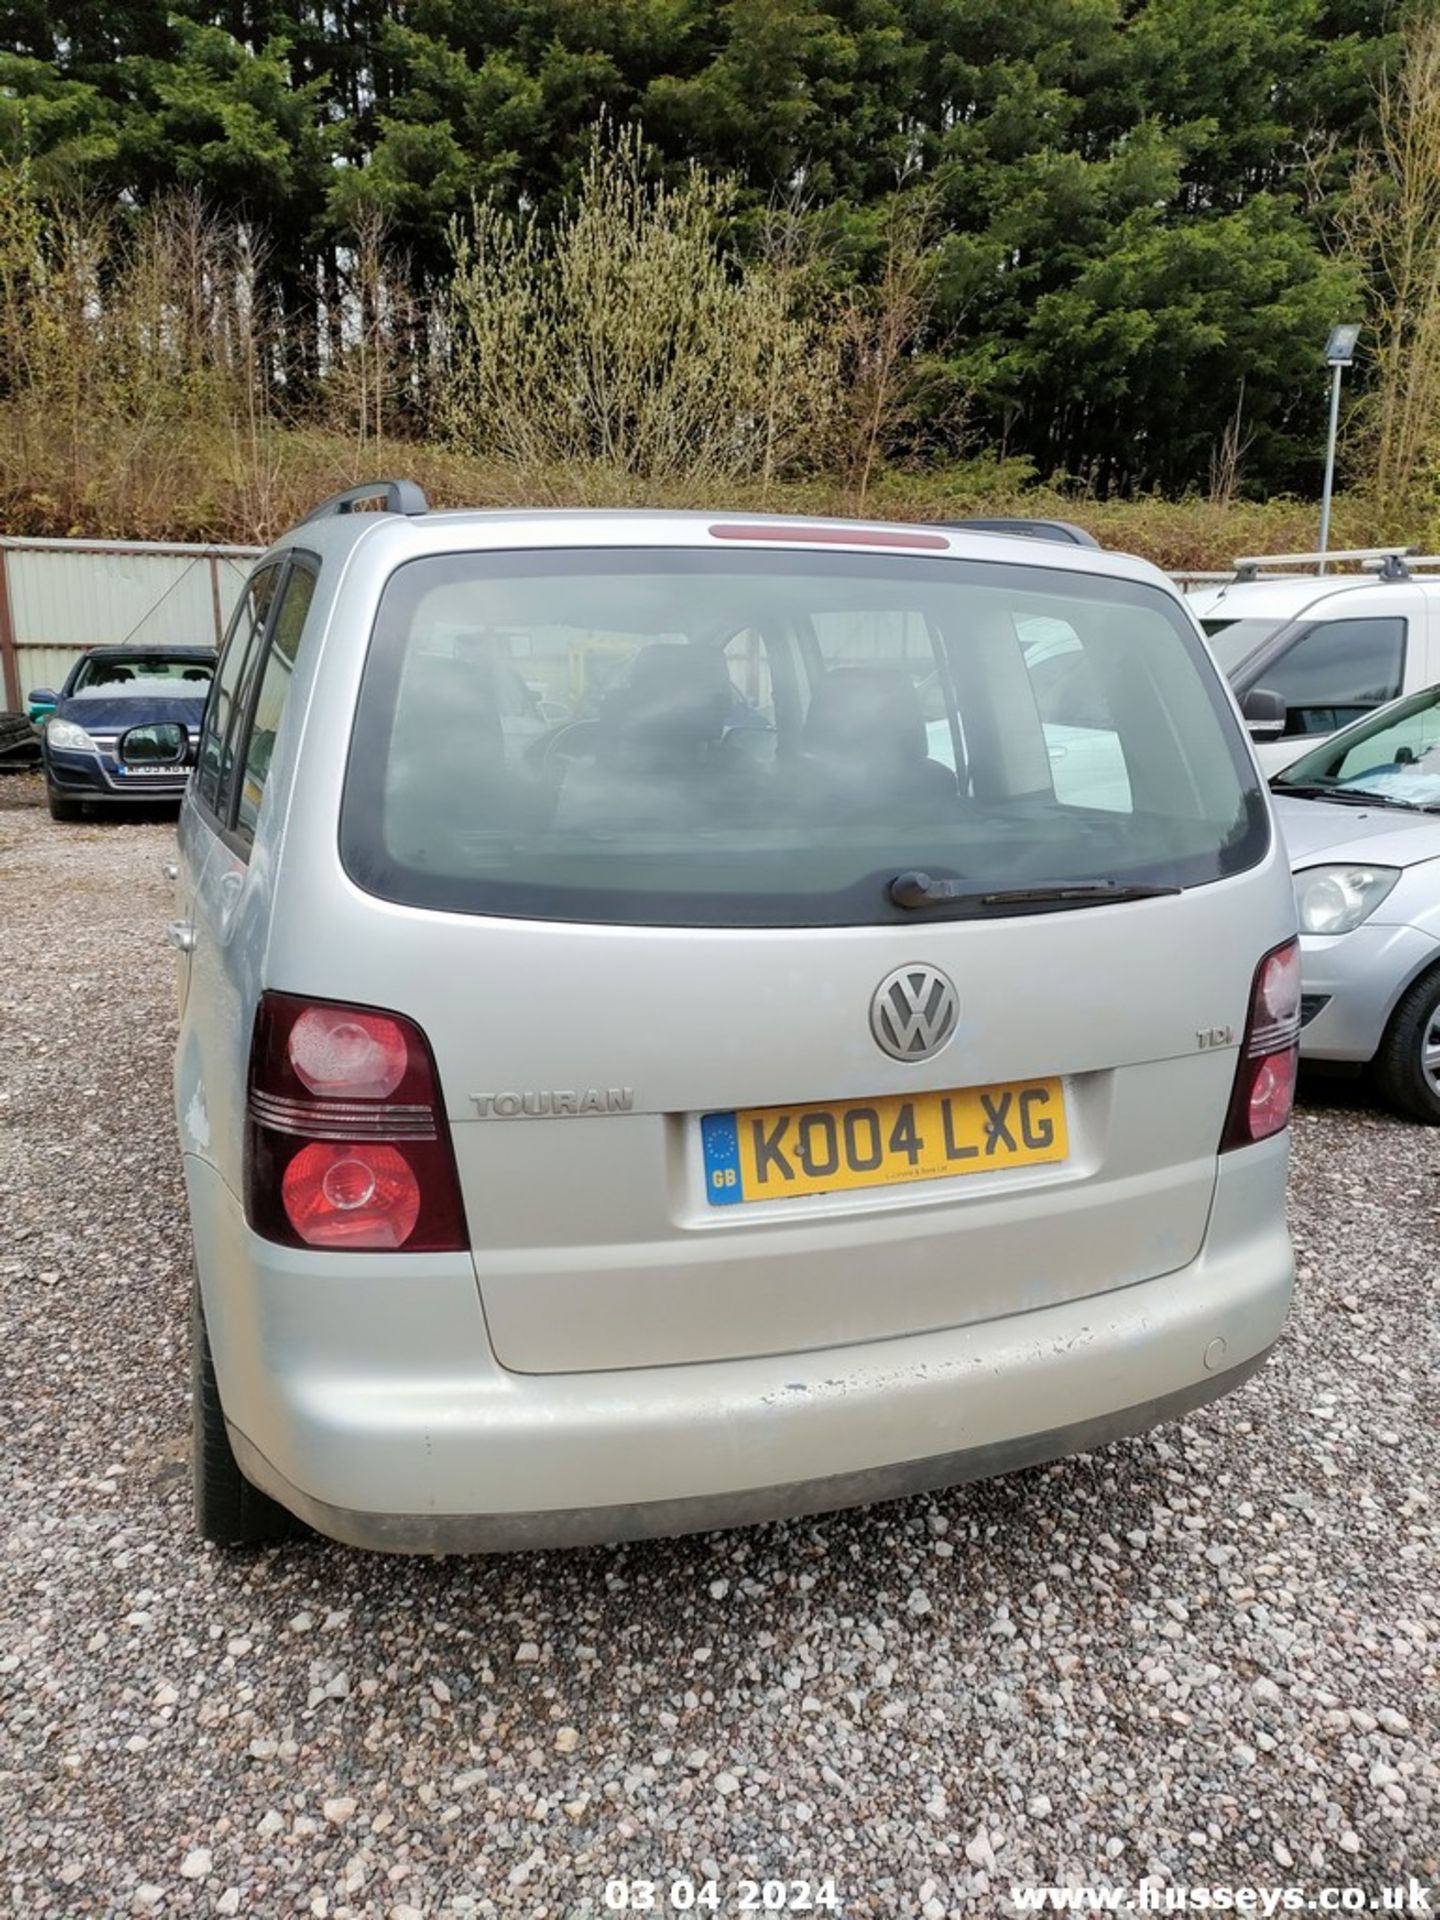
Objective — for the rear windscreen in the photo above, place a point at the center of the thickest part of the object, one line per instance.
(751, 739)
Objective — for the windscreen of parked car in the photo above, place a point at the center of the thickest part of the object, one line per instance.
(1394, 756)
(145, 677)
(678, 737)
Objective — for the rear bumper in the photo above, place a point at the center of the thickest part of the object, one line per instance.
(365, 1397)
(1359, 976)
(590, 1526)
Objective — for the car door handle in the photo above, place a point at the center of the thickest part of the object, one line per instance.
(182, 936)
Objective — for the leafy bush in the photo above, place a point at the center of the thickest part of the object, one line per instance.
(626, 337)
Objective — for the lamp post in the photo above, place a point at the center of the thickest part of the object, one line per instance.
(1339, 353)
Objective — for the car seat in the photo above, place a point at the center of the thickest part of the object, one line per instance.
(658, 749)
(864, 750)
(447, 775)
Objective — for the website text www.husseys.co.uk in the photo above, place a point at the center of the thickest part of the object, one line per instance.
(1410, 1897)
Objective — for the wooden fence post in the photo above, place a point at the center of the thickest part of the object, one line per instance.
(11, 692)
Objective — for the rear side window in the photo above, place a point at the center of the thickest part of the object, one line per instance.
(271, 695)
(247, 626)
(680, 737)
(1336, 672)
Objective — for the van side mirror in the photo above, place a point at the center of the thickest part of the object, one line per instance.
(1264, 713)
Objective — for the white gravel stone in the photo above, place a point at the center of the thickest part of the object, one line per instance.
(198, 1864)
(979, 1851)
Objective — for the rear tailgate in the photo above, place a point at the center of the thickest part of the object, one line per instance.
(595, 1238)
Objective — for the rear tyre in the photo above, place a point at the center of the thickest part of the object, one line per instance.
(62, 809)
(229, 1509)
(1407, 1067)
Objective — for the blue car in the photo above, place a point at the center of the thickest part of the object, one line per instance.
(123, 727)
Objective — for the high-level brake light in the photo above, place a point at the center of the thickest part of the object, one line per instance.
(809, 536)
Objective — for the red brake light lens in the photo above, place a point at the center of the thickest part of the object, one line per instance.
(363, 1196)
(1272, 1095)
(1264, 1092)
(346, 1140)
(822, 536)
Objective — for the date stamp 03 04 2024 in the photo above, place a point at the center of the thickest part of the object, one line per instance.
(680, 1894)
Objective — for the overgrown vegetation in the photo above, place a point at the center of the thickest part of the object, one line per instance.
(1124, 204)
(623, 337)
(1028, 259)
(1390, 221)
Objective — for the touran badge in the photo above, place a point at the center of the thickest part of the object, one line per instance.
(914, 1012)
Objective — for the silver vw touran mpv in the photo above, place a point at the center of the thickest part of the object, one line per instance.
(688, 1019)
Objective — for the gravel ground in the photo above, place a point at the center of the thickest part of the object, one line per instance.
(1209, 1655)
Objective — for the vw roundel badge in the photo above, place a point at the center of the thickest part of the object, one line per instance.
(914, 1012)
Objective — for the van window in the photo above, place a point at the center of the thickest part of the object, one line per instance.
(1336, 672)
(1236, 642)
(771, 739)
(247, 626)
(270, 700)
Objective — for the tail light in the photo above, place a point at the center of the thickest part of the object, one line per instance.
(346, 1144)
(1269, 1059)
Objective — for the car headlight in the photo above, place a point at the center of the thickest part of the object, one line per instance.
(65, 733)
(1337, 899)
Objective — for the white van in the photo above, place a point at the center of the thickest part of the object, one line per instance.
(771, 1083)
(1309, 653)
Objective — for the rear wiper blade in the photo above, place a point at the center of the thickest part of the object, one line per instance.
(919, 890)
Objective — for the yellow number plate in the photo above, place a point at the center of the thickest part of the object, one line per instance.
(778, 1153)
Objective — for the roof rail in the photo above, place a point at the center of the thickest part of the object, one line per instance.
(1248, 566)
(401, 496)
(1065, 531)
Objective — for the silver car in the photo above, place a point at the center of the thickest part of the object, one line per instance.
(1361, 816)
(713, 1103)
